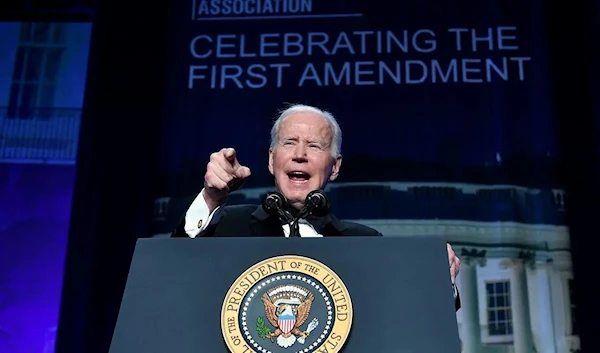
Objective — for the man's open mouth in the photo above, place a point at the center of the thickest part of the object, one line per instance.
(298, 176)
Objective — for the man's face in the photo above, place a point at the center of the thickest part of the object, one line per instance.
(302, 159)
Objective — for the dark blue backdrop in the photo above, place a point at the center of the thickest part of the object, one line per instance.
(493, 109)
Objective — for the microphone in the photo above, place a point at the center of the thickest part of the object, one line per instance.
(317, 203)
(274, 204)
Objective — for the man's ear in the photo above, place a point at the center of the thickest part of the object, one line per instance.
(335, 169)
(271, 161)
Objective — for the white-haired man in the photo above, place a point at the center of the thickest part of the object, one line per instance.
(305, 154)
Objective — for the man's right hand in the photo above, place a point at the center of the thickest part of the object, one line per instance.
(224, 174)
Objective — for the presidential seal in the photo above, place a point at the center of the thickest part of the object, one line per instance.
(290, 304)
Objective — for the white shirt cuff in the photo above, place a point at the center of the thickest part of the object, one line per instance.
(198, 216)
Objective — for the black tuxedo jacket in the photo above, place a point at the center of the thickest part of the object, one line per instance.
(252, 220)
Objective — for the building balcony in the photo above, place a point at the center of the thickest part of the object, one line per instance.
(44, 136)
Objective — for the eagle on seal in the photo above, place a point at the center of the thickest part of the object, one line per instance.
(287, 307)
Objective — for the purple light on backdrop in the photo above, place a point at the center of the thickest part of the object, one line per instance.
(35, 199)
(35, 204)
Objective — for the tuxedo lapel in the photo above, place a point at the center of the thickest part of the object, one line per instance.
(330, 226)
(263, 225)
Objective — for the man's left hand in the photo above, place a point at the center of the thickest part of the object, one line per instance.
(454, 263)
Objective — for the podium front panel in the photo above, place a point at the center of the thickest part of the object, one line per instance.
(399, 287)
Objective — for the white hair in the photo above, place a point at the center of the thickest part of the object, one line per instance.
(336, 136)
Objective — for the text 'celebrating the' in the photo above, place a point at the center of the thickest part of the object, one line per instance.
(357, 58)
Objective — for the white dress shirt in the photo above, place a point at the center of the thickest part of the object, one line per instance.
(198, 217)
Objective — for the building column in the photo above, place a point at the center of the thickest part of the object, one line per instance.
(542, 302)
(520, 310)
(471, 329)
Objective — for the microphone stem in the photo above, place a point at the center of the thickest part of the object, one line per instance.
(295, 228)
(292, 221)
(295, 225)
(284, 216)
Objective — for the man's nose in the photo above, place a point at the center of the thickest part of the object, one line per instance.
(300, 152)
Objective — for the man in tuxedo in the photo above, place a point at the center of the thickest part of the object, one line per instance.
(305, 154)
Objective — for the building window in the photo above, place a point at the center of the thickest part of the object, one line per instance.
(573, 308)
(499, 314)
(35, 72)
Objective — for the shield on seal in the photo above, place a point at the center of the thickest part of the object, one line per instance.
(286, 323)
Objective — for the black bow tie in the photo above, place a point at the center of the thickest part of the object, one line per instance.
(318, 223)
